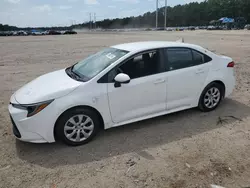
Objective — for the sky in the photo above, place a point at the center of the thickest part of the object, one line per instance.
(36, 13)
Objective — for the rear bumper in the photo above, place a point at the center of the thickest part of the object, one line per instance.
(230, 85)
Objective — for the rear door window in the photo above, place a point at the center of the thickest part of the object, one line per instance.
(179, 58)
(198, 57)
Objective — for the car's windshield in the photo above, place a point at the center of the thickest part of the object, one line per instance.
(96, 63)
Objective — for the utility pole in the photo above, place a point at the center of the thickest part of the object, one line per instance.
(95, 20)
(166, 5)
(156, 22)
(90, 25)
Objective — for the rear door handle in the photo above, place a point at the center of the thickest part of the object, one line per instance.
(159, 81)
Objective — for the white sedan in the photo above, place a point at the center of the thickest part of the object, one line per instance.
(119, 85)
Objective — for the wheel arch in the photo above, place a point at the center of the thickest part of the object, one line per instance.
(223, 87)
(79, 106)
(221, 83)
(211, 82)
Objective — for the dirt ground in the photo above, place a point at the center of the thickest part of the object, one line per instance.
(184, 149)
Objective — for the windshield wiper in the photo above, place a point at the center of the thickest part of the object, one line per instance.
(79, 76)
(72, 74)
(76, 75)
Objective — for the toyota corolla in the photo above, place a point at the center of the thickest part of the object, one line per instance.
(119, 85)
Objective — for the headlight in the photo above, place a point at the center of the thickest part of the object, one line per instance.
(33, 108)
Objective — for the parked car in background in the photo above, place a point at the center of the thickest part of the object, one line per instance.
(211, 27)
(247, 27)
(36, 33)
(14, 33)
(169, 29)
(119, 85)
(52, 32)
(202, 27)
(45, 32)
(6, 33)
(29, 33)
(191, 28)
(2, 33)
(160, 29)
(22, 33)
(70, 32)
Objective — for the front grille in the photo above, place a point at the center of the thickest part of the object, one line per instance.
(15, 129)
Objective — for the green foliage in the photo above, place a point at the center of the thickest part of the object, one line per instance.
(7, 28)
(14, 28)
(192, 14)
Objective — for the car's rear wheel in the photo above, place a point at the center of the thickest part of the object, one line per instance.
(211, 97)
(77, 126)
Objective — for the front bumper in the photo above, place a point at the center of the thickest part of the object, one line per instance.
(15, 129)
(35, 129)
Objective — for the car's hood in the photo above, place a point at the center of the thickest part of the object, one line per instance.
(46, 87)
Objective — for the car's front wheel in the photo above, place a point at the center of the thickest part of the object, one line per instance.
(211, 97)
(77, 126)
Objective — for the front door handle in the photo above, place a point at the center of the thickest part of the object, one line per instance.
(200, 71)
(159, 81)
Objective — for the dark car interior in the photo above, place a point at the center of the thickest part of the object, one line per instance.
(141, 65)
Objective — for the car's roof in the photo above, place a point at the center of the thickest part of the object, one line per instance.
(147, 45)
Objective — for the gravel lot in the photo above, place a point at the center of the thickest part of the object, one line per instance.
(184, 149)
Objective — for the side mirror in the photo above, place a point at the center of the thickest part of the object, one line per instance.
(121, 79)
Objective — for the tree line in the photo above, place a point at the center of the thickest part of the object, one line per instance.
(14, 28)
(192, 14)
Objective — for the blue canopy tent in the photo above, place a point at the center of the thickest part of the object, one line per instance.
(226, 20)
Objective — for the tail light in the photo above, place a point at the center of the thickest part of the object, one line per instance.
(231, 64)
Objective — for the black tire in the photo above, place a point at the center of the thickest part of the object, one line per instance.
(61, 123)
(202, 106)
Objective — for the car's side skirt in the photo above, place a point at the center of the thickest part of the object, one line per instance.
(152, 116)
